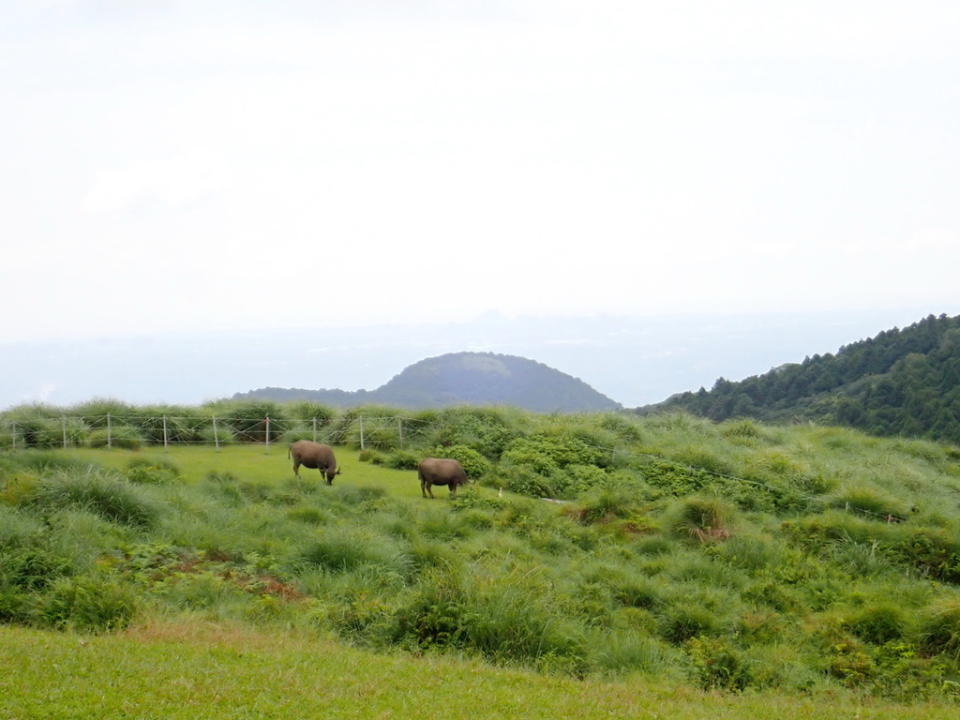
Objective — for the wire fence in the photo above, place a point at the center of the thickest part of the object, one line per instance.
(362, 431)
(70, 431)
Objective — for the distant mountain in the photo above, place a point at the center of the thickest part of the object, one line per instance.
(899, 382)
(466, 378)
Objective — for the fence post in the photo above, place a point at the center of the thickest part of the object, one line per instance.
(216, 437)
(109, 432)
(266, 436)
(63, 425)
(314, 429)
(164, 433)
(362, 446)
(400, 430)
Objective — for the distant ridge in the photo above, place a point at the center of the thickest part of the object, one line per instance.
(901, 382)
(466, 378)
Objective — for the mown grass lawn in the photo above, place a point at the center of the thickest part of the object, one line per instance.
(221, 671)
(260, 464)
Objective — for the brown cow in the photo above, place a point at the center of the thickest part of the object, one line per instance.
(313, 455)
(440, 471)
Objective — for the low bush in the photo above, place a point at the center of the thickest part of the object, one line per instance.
(371, 456)
(877, 624)
(223, 435)
(120, 436)
(88, 604)
(681, 622)
(474, 464)
(872, 503)
(31, 568)
(717, 665)
(402, 460)
(152, 471)
(939, 629)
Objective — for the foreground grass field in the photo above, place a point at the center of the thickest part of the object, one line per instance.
(200, 670)
(735, 568)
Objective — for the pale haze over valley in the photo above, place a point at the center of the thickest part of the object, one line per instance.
(203, 198)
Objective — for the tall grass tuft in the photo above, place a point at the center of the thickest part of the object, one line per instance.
(97, 492)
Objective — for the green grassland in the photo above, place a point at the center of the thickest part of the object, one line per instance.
(692, 569)
(196, 671)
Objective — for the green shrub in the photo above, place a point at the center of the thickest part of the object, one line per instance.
(871, 502)
(489, 431)
(526, 481)
(939, 629)
(15, 489)
(402, 460)
(50, 433)
(741, 429)
(225, 434)
(88, 604)
(31, 568)
(94, 412)
(625, 429)
(248, 419)
(577, 479)
(544, 454)
(718, 665)
(607, 501)
(877, 624)
(119, 436)
(680, 623)
(307, 411)
(474, 464)
(153, 471)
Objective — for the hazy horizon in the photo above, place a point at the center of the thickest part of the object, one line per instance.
(633, 360)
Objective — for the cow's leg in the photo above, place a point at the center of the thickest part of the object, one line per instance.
(296, 468)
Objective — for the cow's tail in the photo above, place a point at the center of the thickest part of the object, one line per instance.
(288, 451)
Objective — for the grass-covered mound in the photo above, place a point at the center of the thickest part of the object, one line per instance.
(733, 556)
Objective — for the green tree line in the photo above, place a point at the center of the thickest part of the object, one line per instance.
(901, 382)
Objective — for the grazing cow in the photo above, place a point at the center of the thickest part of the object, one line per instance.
(313, 455)
(440, 471)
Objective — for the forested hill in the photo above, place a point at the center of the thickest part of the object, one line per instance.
(466, 378)
(903, 381)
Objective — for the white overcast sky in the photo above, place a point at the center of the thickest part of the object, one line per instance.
(220, 165)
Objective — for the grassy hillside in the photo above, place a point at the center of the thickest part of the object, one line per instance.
(902, 382)
(724, 557)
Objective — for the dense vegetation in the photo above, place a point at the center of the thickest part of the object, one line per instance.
(466, 378)
(902, 382)
(729, 556)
